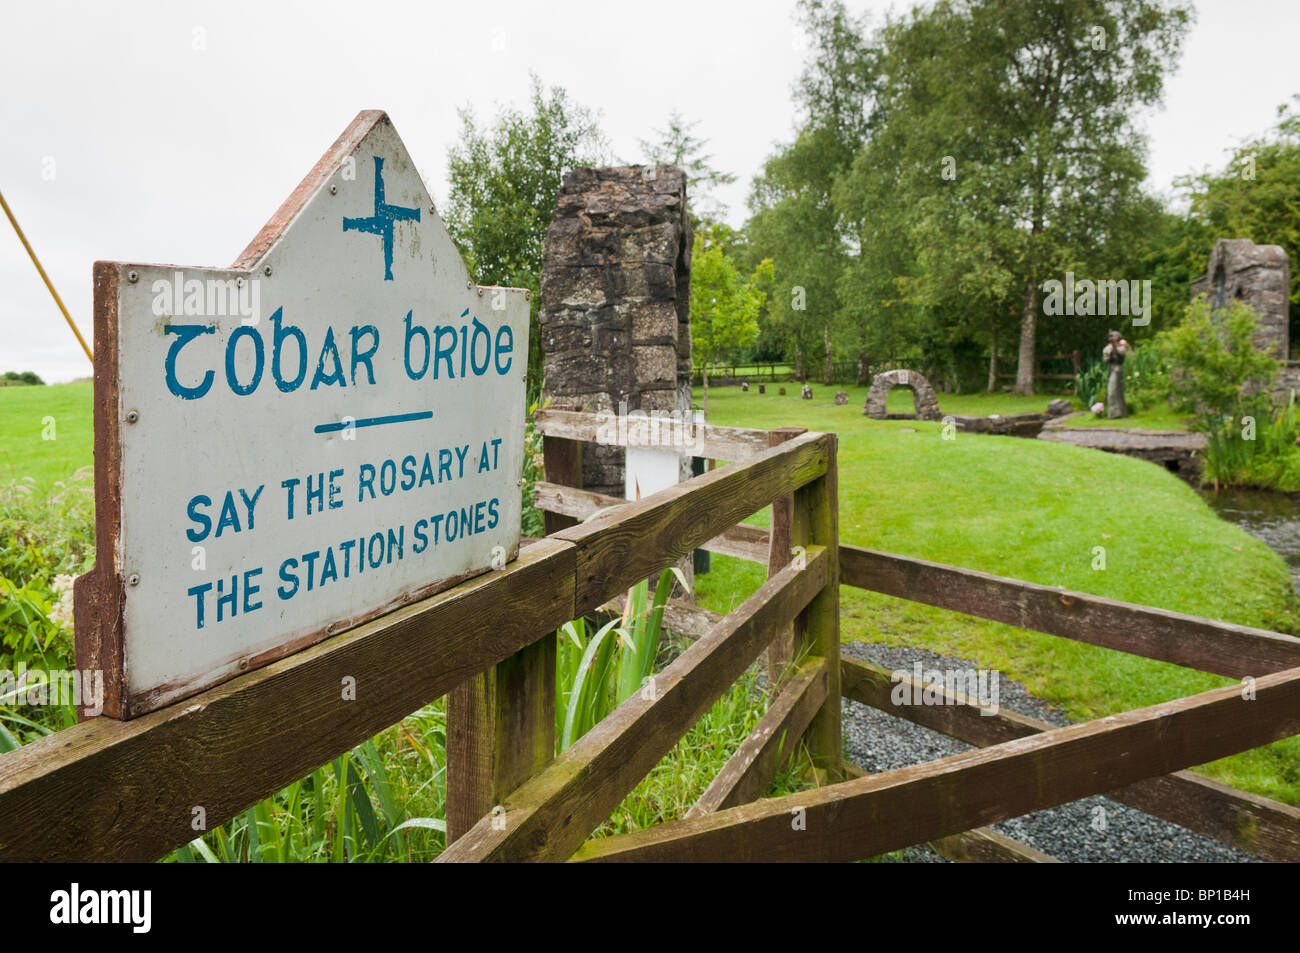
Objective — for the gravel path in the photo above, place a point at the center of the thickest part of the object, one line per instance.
(1095, 829)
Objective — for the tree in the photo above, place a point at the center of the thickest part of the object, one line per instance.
(1010, 125)
(1256, 196)
(724, 302)
(677, 146)
(794, 220)
(505, 179)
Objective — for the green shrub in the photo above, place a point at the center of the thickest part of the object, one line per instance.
(1255, 451)
(1216, 370)
(532, 521)
(597, 670)
(1220, 376)
(45, 542)
(1090, 383)
(23, 377)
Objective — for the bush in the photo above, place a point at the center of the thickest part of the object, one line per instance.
(1220, 376)
(25, 377)
(1216, 368)
(45, 542)
(532, 520)
(1255, 451)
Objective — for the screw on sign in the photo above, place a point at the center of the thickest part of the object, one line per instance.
(337, 417)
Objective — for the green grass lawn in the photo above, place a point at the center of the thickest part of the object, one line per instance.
(1159, 417)
(1033, 510)
(46, 433)
(899, 401)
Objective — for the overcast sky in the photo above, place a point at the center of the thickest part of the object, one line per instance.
(170, 131)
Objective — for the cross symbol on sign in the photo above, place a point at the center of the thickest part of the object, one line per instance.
(381, 223)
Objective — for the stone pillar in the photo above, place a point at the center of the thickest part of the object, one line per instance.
(1260, 275)
(615, 302)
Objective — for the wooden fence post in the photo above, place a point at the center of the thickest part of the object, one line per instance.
(500, 732)
(501, 723)
(816, 521)
(781, 652)
(562, 464)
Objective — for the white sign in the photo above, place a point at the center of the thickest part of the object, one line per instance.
(329, 429)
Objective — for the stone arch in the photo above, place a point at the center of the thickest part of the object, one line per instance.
(927, 405)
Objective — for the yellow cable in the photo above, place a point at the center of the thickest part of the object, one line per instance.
(46, 278)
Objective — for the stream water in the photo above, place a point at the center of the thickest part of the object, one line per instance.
(1271, 517)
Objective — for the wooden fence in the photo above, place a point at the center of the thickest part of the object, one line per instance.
(731, 373)
(1137, 758)
(724, 373)
(112, 790)
(1073, 357)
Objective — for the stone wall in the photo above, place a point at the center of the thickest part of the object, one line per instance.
(1260, 275)
(615, 301)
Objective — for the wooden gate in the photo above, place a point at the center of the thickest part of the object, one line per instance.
(111, 790)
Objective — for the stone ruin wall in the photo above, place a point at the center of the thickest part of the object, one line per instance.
(1260, 275)
(615, 302)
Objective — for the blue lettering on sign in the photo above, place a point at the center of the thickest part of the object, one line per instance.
(335, 376)
(229, 517)
(452, 351)
(277, 342)
(374, 421)
(283, 354)
(184, 334)
(381, 222)
(227, 602)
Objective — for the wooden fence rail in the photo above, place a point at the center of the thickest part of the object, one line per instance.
(126, 790)
(883, 812)
(1222, 648)
(1246, 821)
(550, 815)
(749, 771)
(1249, 822)
(1235, 651)
(750, 767)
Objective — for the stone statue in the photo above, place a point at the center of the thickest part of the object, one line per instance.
(1113, 354)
